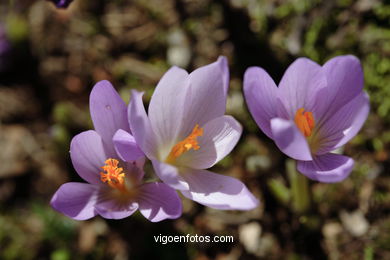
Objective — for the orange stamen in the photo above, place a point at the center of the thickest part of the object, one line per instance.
(305, 122)
(113, 175)
(188, 143)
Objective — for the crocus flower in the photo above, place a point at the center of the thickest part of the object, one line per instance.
(314, 111)
(61, 3)
(114, 189)
(185, 132)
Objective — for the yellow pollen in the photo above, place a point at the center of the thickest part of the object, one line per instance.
(305, 122)
(188, 143)
(113, 175)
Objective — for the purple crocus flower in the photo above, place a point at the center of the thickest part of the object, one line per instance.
(186, 132)
(114, 189)
(314, 111)
(62, 3)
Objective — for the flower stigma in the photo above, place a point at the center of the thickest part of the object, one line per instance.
(190, 142)
(305, 122)
(113, 175)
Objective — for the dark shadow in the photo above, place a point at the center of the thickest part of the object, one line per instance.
(140, 237)
(250, 50)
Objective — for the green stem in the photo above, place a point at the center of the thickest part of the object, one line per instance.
(299, 188)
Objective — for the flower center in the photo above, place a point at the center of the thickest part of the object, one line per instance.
(188, 143)
(113, 175)
(304, 121)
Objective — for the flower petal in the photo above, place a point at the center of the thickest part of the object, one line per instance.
(140, 125)
(76, 200)
(220, 135)
(218, 191)
(166, 105)
(62, 3)
(260, 95)
(299, 88)
(88, 155)
(327, 168)
(224, 66)
(290, 140)
(133, 173)
(108, 111)
(345, 81)
(170, 175)
(206, 97)
(157, 201)
(344, 124)
(108, 206)
(126, 147)
(140, 162)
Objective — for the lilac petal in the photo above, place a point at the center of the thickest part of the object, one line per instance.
(290, 140)
(167, 103)
(218, 191)
(76, 200)
(157, 201)
(140, 125)
(134, 173)
(111, 207)
(327, 168)
(345, 81)
(260, 95)
(140, 162)
(126, 147)
(206, 98)
(220, 135)
(224, 66)
(108, 111)
(170, 175)
(299, 87)
(62, 3)
(88, 155)
(344, 124)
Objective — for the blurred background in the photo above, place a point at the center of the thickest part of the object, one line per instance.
(50, 59)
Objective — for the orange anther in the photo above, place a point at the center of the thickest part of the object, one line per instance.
(190, 142)
(304, 121)
(113, 175)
